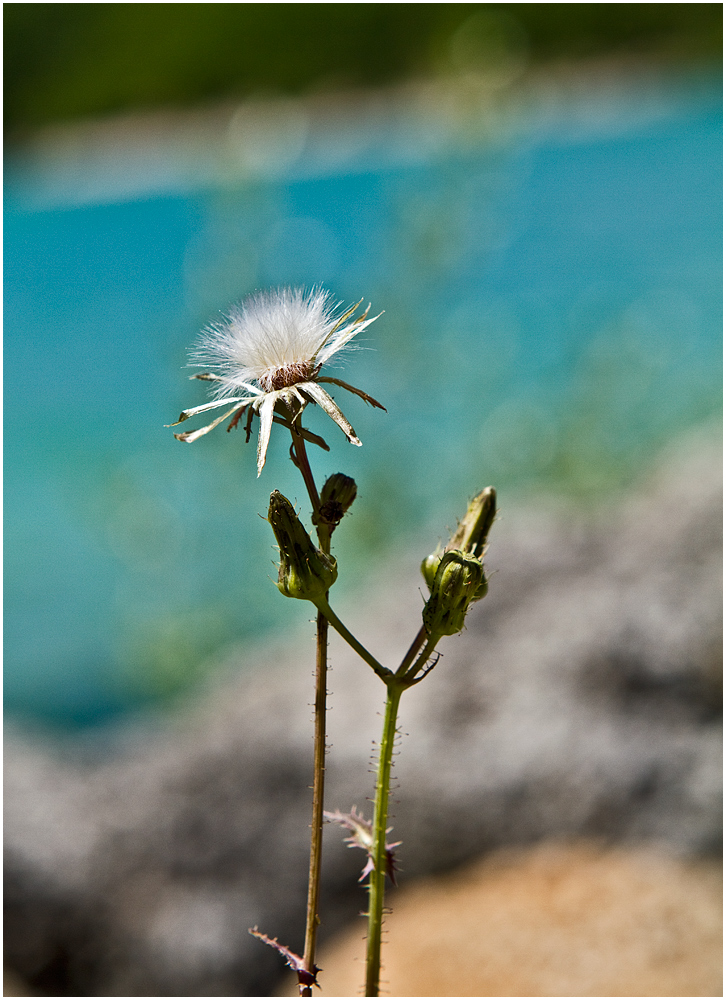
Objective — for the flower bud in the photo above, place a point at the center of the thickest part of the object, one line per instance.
(430, 565)
(459, 580)
(305, 571)
(470, 537)
(471, 534)
(337, 495)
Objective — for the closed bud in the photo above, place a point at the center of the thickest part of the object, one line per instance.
(305, 572)
(337, 495)
(459, 580)
(430, 565)
(470, 537)
(471, 534)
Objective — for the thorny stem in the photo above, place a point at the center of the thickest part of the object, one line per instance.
(321, 667)
(396, 684)
(316, 836)
(377, 882)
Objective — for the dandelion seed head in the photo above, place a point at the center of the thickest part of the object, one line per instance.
(265, 358)
(275, 339)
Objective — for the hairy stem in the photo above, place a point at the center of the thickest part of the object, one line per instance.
(321, 669)
(404, 677)
(377, 882)
(316, 835)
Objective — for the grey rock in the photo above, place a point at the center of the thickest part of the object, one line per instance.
(583, 699)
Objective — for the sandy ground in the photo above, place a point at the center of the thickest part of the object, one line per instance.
(556, 920)
(13, 985)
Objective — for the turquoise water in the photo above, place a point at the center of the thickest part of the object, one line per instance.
(552, 316)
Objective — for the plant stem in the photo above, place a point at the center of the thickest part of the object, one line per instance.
(409, 675)
(377, 882)
(412, 650)
(303, 463)
(360, 649)
(316, 836)
(395, 685)
(321, 668)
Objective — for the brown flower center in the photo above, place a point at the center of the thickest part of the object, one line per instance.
(278, 378)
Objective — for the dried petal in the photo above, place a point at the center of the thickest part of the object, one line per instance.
(473, 530)
(321, 397)
(273, 346)
(304, 433)
(266, 411)
(189, 436)
(186, 414)
(352, 388)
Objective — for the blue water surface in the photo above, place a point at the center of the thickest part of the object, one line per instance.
(552, 316)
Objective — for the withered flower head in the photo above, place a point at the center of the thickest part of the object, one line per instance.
(266, 358)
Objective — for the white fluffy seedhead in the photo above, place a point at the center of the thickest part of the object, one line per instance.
(271, 348)
(274, 339)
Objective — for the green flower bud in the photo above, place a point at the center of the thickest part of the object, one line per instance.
(483, 588)
(471, 534)
(305, 571)
(337, 495)
(470, 537)
(458, 581)
(430, 565)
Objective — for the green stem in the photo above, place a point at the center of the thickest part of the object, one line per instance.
(412, 650)
(377, 883)
(396, 685)
(404, 678)
(324, 608)
(408, 675)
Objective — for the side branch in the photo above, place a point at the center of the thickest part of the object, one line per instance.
(383, 672)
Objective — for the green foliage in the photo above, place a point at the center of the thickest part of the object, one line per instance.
(69, 60)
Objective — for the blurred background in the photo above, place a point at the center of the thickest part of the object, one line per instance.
(532, 195)
(530, 191)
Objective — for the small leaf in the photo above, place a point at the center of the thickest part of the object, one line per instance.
(362, 836)
(304, 977)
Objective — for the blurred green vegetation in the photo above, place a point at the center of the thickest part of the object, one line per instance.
(68, 60)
